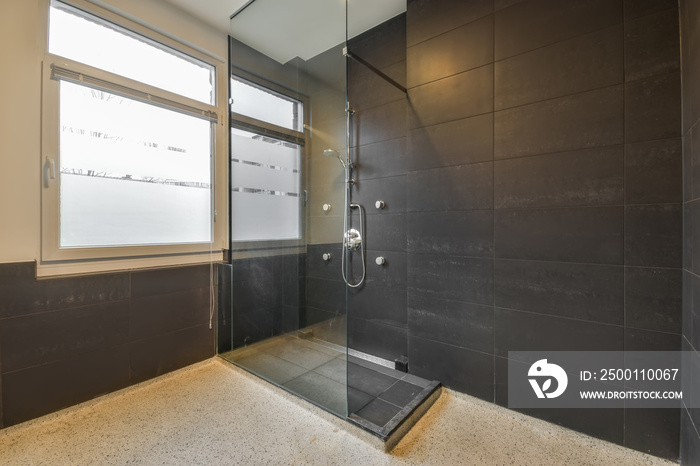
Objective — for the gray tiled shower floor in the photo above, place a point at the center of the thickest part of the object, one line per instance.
(318, 373)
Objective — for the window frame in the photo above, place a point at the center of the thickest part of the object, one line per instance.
(246, 123)
(120, 256)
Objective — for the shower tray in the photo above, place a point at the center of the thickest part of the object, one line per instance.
(382, 401)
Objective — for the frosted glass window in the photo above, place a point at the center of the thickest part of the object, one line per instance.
(265, 188)
(87, 39)
(131, 173)
(266, 105)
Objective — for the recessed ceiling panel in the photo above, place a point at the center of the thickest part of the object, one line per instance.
(283, 30)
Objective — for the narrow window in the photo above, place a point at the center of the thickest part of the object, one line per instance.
(267, 143)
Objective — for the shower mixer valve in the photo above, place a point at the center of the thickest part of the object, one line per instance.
(353, 239)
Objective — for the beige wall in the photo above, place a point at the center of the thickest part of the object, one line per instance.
(22, 39)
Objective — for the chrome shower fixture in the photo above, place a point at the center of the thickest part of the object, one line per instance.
(334, 154)
(352, 241)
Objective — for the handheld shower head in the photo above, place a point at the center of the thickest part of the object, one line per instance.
(334, 154)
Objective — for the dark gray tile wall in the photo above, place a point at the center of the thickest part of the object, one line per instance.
(67, 340)
(266, 296)
(690, 325)
(377, 311)
(544, 192)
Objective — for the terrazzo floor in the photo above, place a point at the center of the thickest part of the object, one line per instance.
(214, 413)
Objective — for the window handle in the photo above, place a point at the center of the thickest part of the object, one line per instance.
(49, 171)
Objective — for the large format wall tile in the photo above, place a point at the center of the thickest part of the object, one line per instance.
(579, 121)
(652, 171)
(638, 8)
(588, 234)
(463, 187)
(159, 355)
(692, 10)
(390, 274)
(692, 151)
(459, 96)
(391, 190)
(690, 440)
(456, 142)
(459, 233)
(524, 331)
(653, 298)
(428, 18)
(446, 55)
(451, 277)
(653, 108)
(653, 235)
(580, 64)
(39, 390)
(367, 90)
(381, 159)
(378, 339)
(586, 177)
(154, 315)
(650, 340)
(460, 324)
(380, 123)
(37, 339)
(457, 368)
(535, 23)
(655, 431)
(383, 45)
(652, 45)
(362, 304)
(692, 210)
(581, 291)
(384, 231)
(22, 294)
(169, 279)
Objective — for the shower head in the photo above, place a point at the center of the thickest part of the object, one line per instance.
(334, 154)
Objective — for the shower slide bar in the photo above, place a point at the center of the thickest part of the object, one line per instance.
(386, 78)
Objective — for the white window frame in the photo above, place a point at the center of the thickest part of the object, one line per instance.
(120, 257)
(263, 128)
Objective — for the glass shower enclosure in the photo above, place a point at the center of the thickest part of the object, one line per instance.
(283, 293)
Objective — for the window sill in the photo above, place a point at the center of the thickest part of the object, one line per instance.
(45, 270)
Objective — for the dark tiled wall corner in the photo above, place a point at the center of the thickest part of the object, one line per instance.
(544, 191)
(261, 297)
(67, 340)
(690, 73)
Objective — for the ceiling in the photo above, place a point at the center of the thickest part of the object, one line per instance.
(285, 29)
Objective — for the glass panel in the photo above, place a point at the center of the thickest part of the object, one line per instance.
(85, 38)
(131, 173)
(291, 327)
(266, 105)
